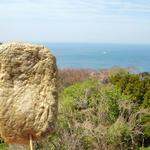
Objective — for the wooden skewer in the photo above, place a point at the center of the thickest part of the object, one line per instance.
(31, 143)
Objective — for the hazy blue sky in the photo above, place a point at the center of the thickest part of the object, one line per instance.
(123, 21)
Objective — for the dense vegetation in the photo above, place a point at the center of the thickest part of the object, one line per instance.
(135, 85)
(101, 110)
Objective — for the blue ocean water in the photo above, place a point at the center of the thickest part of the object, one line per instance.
(100, 56)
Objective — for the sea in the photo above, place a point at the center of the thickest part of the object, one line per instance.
(101, 56)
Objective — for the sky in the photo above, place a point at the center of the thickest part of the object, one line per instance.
(91, 21)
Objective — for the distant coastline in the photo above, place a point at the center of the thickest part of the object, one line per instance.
(97, 56)
(101, 56)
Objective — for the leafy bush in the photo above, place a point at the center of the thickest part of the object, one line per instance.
(138, 87)
(3, 147)
(143, 148)
(94, 96)
(97, 116)
(119, 132)
(135, 85)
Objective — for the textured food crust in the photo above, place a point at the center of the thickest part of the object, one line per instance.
(28, 92)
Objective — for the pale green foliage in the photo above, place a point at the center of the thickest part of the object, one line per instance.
(118, 132)
(148, 148)
(96, 116)
(3, 147)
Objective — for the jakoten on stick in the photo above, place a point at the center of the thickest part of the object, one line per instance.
(28, 92)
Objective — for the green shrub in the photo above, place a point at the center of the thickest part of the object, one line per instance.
(3, 146)
(74, 96)
(94, 96)
(144, 148)
(119, 132)
(93, 115)
(135, 85)
(146, 101)
(89, 110)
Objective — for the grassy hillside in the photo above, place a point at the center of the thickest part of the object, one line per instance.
(101, 110)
